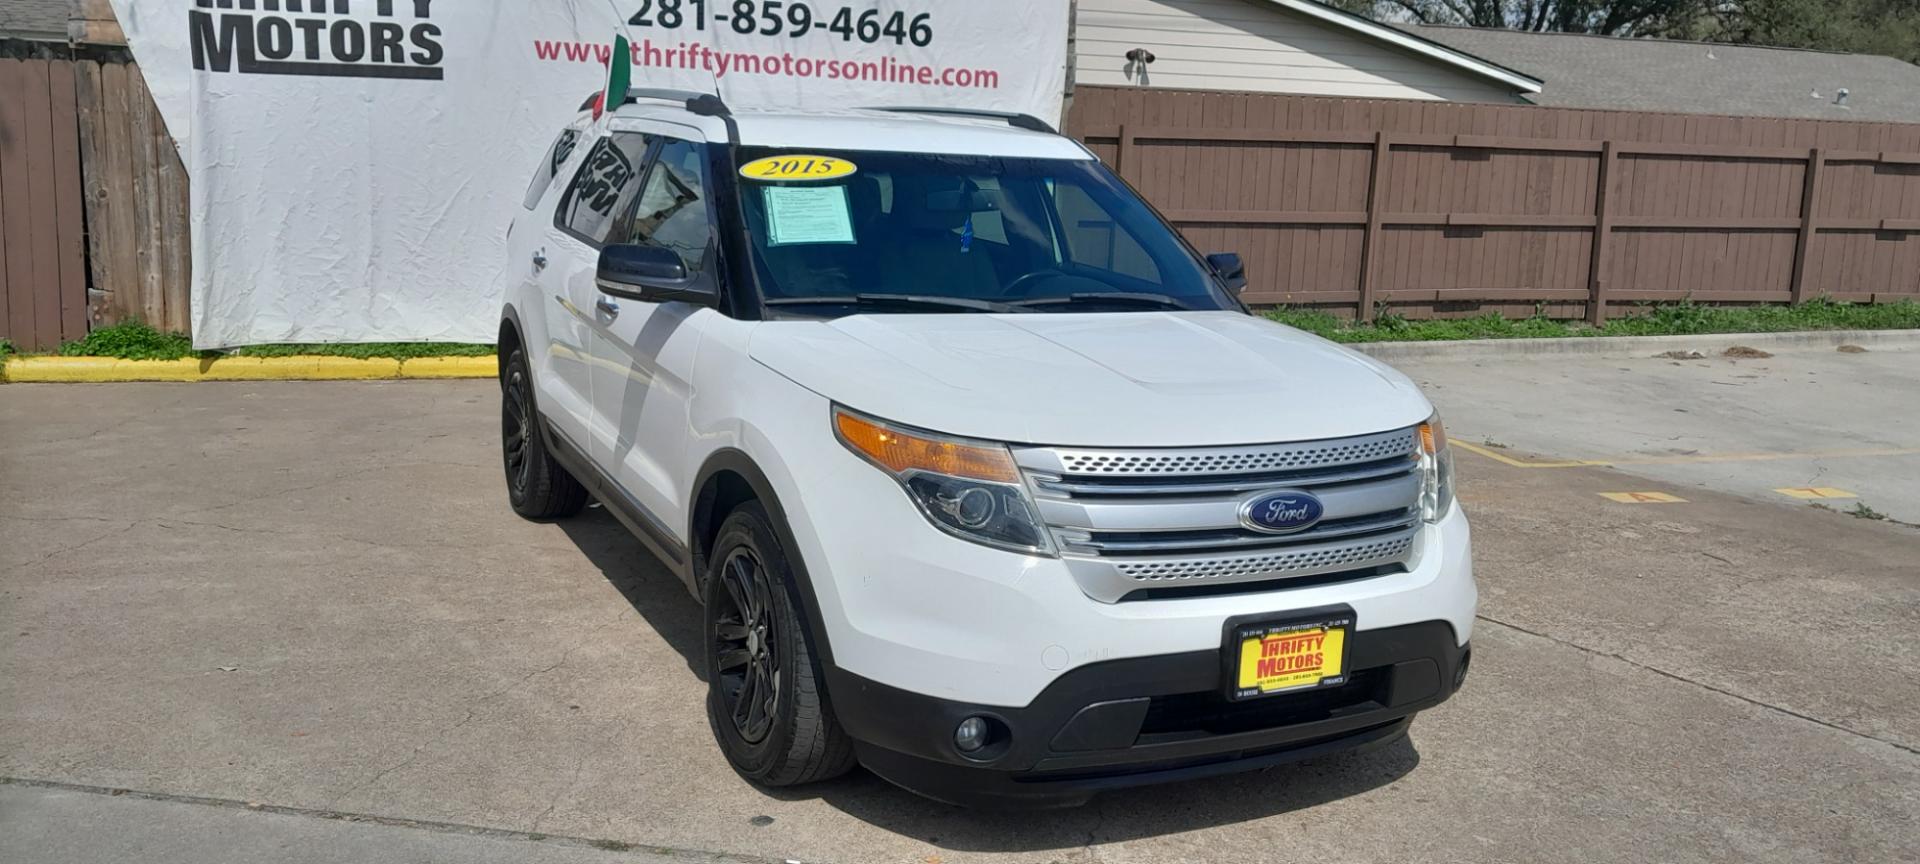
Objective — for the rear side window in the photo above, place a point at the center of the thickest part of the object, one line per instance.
(607, 182)
(557, 156)
(672, 212)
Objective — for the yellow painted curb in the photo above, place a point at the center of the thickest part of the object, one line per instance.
(450, 367)
(100, 370)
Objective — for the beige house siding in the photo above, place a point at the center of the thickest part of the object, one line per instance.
(1255, 45)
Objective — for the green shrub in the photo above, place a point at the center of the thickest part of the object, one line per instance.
(130, 340)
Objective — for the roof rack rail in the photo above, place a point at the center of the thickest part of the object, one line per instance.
(703, 104)
(1018, 121)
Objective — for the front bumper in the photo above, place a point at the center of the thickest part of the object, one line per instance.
(1145, 720)
(905, 605)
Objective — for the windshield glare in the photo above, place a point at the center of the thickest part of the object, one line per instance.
(1042, 234)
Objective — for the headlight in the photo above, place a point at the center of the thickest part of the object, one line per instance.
(970, 489)
(1436, 471)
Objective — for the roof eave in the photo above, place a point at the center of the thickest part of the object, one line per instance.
(1408, 41)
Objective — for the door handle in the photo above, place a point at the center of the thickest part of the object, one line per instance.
(540, 260)
(607, 307)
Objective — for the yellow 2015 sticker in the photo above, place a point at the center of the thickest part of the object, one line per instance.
(800, 167)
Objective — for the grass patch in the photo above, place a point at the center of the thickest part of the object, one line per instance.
(130, 341)
(384, 350)
(134, 340)
(6, 347)
(1672, 319)
(1862, 511)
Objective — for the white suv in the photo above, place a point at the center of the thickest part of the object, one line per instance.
(986, 479)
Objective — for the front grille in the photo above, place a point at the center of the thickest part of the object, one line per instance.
(1127, 519)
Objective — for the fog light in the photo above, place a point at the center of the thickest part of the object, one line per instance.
(971, 735)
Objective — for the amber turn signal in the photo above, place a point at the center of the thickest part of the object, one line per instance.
(899, 451)
(1433, 436)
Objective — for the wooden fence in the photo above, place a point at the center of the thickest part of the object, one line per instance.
(43, 281)
(1453, 208)
(94, 225)
(139, 230)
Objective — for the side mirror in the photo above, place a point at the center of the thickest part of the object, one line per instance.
(1231, 271)
(650, 274)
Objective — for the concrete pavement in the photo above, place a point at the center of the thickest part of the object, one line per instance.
(58, 823)
(313, 597)
(1809, 417)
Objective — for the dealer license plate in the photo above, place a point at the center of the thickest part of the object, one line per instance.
(1287, 655)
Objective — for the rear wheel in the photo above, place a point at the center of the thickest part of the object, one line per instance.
(764, 696)
(537, 486)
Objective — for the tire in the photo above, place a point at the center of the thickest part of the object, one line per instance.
(782, 732)
(537, 486)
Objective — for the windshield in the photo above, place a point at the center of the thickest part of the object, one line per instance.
(913, 232)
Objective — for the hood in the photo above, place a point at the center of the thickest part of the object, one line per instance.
(1140, 379)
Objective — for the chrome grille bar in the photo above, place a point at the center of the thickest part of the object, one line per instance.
(1097, 543)
(1393, 467)
(1216, 461)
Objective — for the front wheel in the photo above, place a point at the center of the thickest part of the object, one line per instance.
(764, 696)
(538, 487)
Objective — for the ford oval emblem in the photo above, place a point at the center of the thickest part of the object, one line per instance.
(1282, 512)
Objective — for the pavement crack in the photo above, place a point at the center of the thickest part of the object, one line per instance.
(66, 549)
(603, 845)
(579, 765)
(1905, 748)
(1093, 832)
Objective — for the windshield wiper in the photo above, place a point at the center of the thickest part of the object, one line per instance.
(1099, 298)
(907, 300)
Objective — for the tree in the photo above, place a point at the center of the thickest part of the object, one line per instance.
(1890, 27)
(1609, 17)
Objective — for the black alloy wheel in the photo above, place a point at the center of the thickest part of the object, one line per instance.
(538, 486)
(516, 427)
(744, 656)
(766, 696)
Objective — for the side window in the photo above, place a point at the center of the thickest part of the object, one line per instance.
(1094, 239)
(607, 182)
(557, 156)
(672, 210)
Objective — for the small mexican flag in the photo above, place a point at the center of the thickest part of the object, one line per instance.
(619, 78)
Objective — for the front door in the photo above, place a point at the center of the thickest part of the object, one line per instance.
(643, 352)
(603, 188)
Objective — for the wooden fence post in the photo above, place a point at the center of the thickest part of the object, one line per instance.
(1816, 160)
(1602, 232)
(1127, 167)
(1370, 243)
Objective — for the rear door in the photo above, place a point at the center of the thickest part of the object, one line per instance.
(601, 189)
(643, 352)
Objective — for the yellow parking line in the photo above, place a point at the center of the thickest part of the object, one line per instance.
(1814, 493)
(1643, 498)
(1701, 458)
(1509, 460)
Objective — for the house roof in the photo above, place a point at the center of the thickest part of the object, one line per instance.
(1583, 71)
(1417, 43)
(39, 20)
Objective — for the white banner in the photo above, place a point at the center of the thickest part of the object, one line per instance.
(355, 163)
